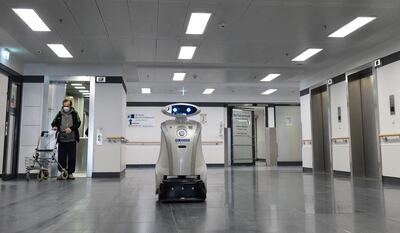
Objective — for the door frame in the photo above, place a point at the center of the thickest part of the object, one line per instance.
(14, 174)
(230, 115)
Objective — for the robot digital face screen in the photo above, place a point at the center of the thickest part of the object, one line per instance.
(182, 110)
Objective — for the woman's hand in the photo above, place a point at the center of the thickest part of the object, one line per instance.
(68, 130)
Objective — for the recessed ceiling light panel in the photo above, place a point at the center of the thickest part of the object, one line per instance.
(146, 90)
(186, 52)
(197, 23)
(60, 50)
(269, 91)
(208, 91)
(32, 19)
(352, 26)
(179, 76)
(307, 54)
(270, 77)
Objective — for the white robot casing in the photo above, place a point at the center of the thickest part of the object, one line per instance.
(181, 149)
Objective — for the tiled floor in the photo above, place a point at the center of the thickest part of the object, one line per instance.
(243, 199)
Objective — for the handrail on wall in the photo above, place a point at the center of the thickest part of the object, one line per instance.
(341, 138)
(389, 135)
(158, 143)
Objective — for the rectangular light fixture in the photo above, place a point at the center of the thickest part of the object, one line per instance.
(60, 50)
(84, 91)
(197, 23)
(307, 54)
(76, 84)
(208, 91)
(270, 77)
(146, 91)
(269, 91)
(32, 19)
(179, 76)
(351, 27)
(79, 87)
(186, 52)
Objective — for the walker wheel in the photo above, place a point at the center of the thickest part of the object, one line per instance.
(28, 176)
(40, 175)
(64, 174)
(45, 174)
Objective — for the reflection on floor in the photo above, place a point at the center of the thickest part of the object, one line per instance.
(242, 199)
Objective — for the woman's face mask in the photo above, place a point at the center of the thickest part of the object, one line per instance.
(66, 109)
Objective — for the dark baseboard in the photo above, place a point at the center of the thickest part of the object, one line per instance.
(243, 164)
(390, 180)
(341, 174)
(109, 174)
(140, 166)
(215, 165)
(261, 160)
(307, 169)
(290, 163)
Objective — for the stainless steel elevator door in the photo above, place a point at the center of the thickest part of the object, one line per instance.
(364, 141)
(320, 132)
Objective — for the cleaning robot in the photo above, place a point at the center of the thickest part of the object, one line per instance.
(181, 170)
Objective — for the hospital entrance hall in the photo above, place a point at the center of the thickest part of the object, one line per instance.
(184, 116)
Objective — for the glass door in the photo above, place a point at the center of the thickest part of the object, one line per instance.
(11, 141)
(243, 149)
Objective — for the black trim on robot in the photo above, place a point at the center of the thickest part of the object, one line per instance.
(290, 163)
(305, 92)
(341, 174)
(338, 79)
(390, 58)
(182, 189)
(114, 79)
(360, 74)
(261, 160)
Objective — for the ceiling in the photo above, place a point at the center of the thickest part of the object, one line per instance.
(258, 37)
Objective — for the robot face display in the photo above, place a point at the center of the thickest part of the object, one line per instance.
(181, 110)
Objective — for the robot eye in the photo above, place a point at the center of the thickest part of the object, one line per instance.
(174, 109)
(188, 110)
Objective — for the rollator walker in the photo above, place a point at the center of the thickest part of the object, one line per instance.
(181, 171)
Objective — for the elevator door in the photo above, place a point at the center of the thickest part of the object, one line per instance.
(320, 130)
(10, 159)
(364, 141)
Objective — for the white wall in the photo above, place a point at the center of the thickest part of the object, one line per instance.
(340, 149)
(3, 106)
(389, 84)
(108, 111)
(288, 133)
(31, 121)
(306, 130)
(212, 130)
(261, 143)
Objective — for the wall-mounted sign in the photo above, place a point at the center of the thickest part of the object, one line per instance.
(141, 120)
(203, 118)
(100, 79)
(289, 121)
